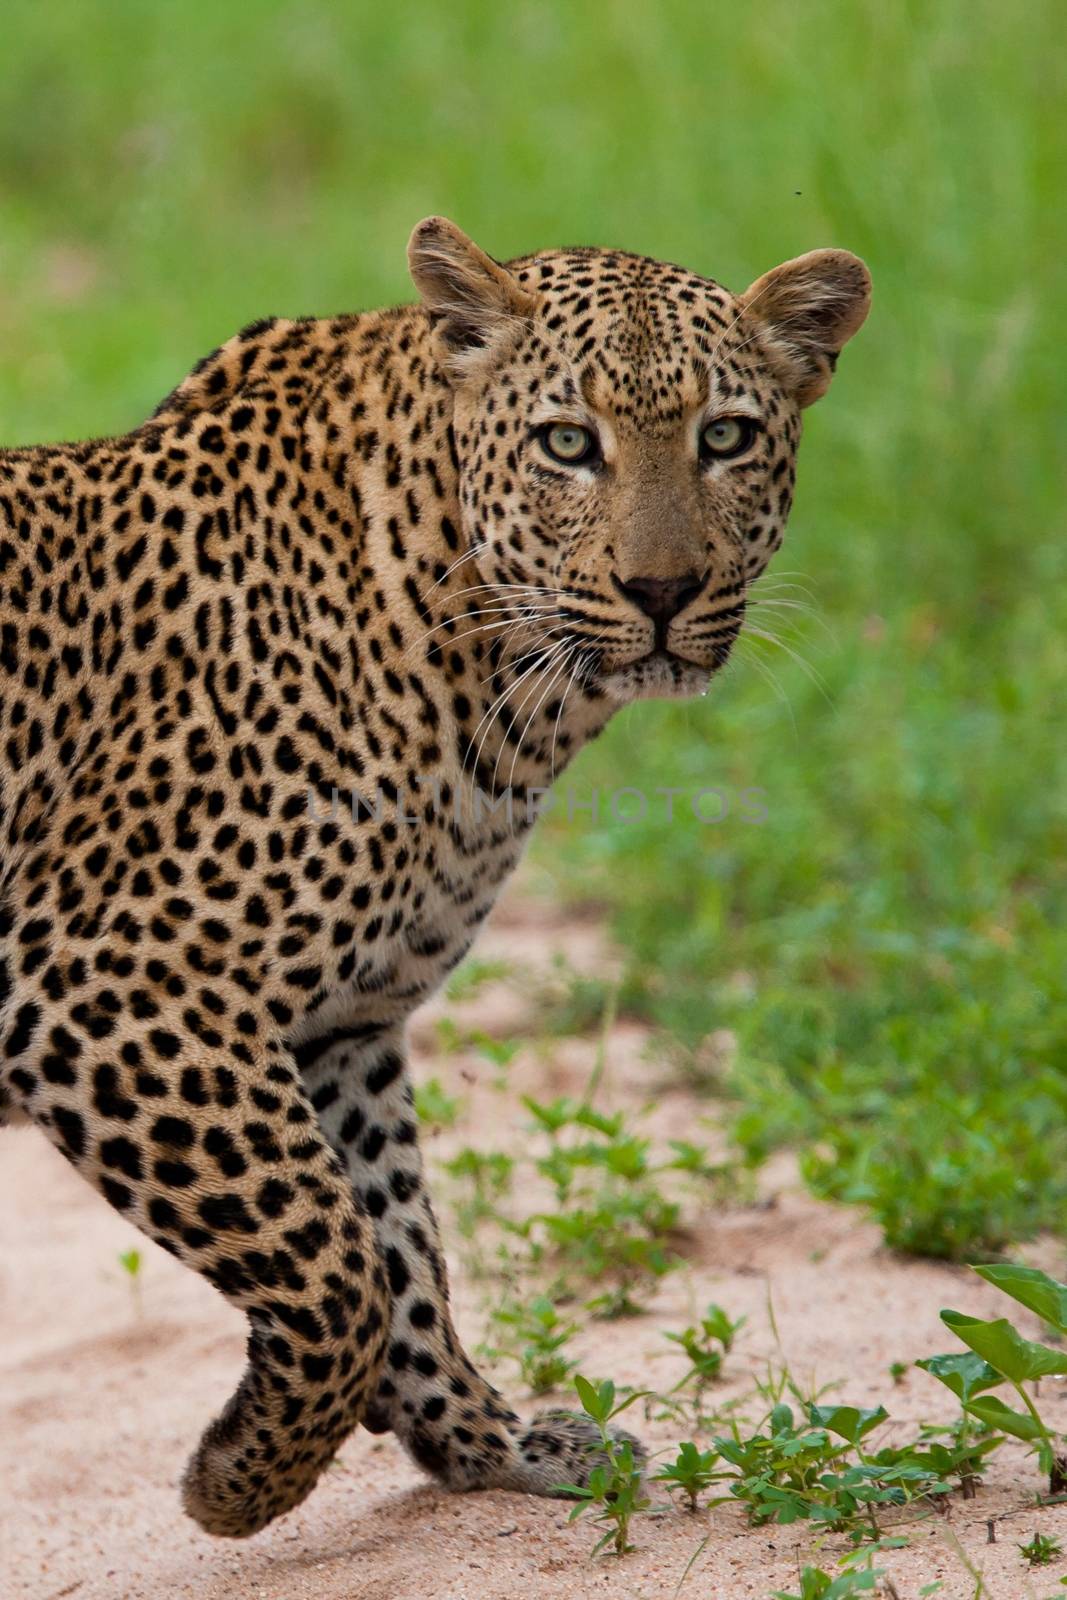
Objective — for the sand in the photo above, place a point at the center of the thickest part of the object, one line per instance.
(104, 1388)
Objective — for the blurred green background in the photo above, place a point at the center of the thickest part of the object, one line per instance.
(889, 947)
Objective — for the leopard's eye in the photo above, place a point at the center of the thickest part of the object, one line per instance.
(566, 442)
(726, 437)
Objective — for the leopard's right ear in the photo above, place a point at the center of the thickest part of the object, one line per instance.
(470, 297)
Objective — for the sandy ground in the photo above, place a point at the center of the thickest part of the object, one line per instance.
(103, 1391)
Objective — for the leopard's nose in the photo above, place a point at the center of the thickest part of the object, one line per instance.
(662, 598)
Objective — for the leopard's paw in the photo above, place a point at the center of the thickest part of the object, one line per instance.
(559, 1449)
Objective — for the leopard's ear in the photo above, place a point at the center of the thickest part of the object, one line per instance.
(809, 309)
(470, 297)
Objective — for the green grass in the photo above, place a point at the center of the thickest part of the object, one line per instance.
(890, 944)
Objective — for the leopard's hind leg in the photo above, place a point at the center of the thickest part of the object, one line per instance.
(431, 1395)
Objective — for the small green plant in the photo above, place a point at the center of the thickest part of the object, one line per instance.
(131, 1262)
(569, 1002)
(1041, 1550)
(483, 1179)
(451, 1038)
(433, 1107)
(615, 1206)
(820, 1470)
(535, 1335)
(969, 1441)
(612, 1216)
(815, 1584)
(614, 1494)
(692, 1471)
(706, 1344)
(998, 1354)
(958, 1451)
(500, 1052)
(898, 1371)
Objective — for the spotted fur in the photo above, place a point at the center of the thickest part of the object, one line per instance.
(340, 558)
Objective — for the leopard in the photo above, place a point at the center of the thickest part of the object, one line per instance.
(418, 555)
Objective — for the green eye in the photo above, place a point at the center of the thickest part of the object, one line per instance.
(726, 437)
(566, 442)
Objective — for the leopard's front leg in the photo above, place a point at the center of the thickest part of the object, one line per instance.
(445, 1413)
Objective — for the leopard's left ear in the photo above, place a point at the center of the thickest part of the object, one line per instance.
(470, 297)
(810, 308)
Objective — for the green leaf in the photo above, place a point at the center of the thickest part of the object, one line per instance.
(848, 1422)
(624, 1405)
(592, 1398)
(963, 1372)
(1033, 1289)
(999, 1344)
(815, 1584)
(991, 1410)
(551, 1117)
(781, 1419)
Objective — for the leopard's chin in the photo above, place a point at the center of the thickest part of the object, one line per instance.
(658, 676)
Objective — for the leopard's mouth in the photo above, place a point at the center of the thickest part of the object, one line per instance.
(661, 674)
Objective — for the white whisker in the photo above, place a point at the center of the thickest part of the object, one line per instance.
(732, 325)
(475, 550)
(770, 677)
(805, 666)
(803, 615)
(521, 629)
(524, 613)
(560, 667)
(544, 663)
(555, 726)
(499, 701)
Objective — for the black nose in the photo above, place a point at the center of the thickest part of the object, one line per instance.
(662, 598)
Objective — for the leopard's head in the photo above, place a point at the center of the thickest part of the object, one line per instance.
(626, 435)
